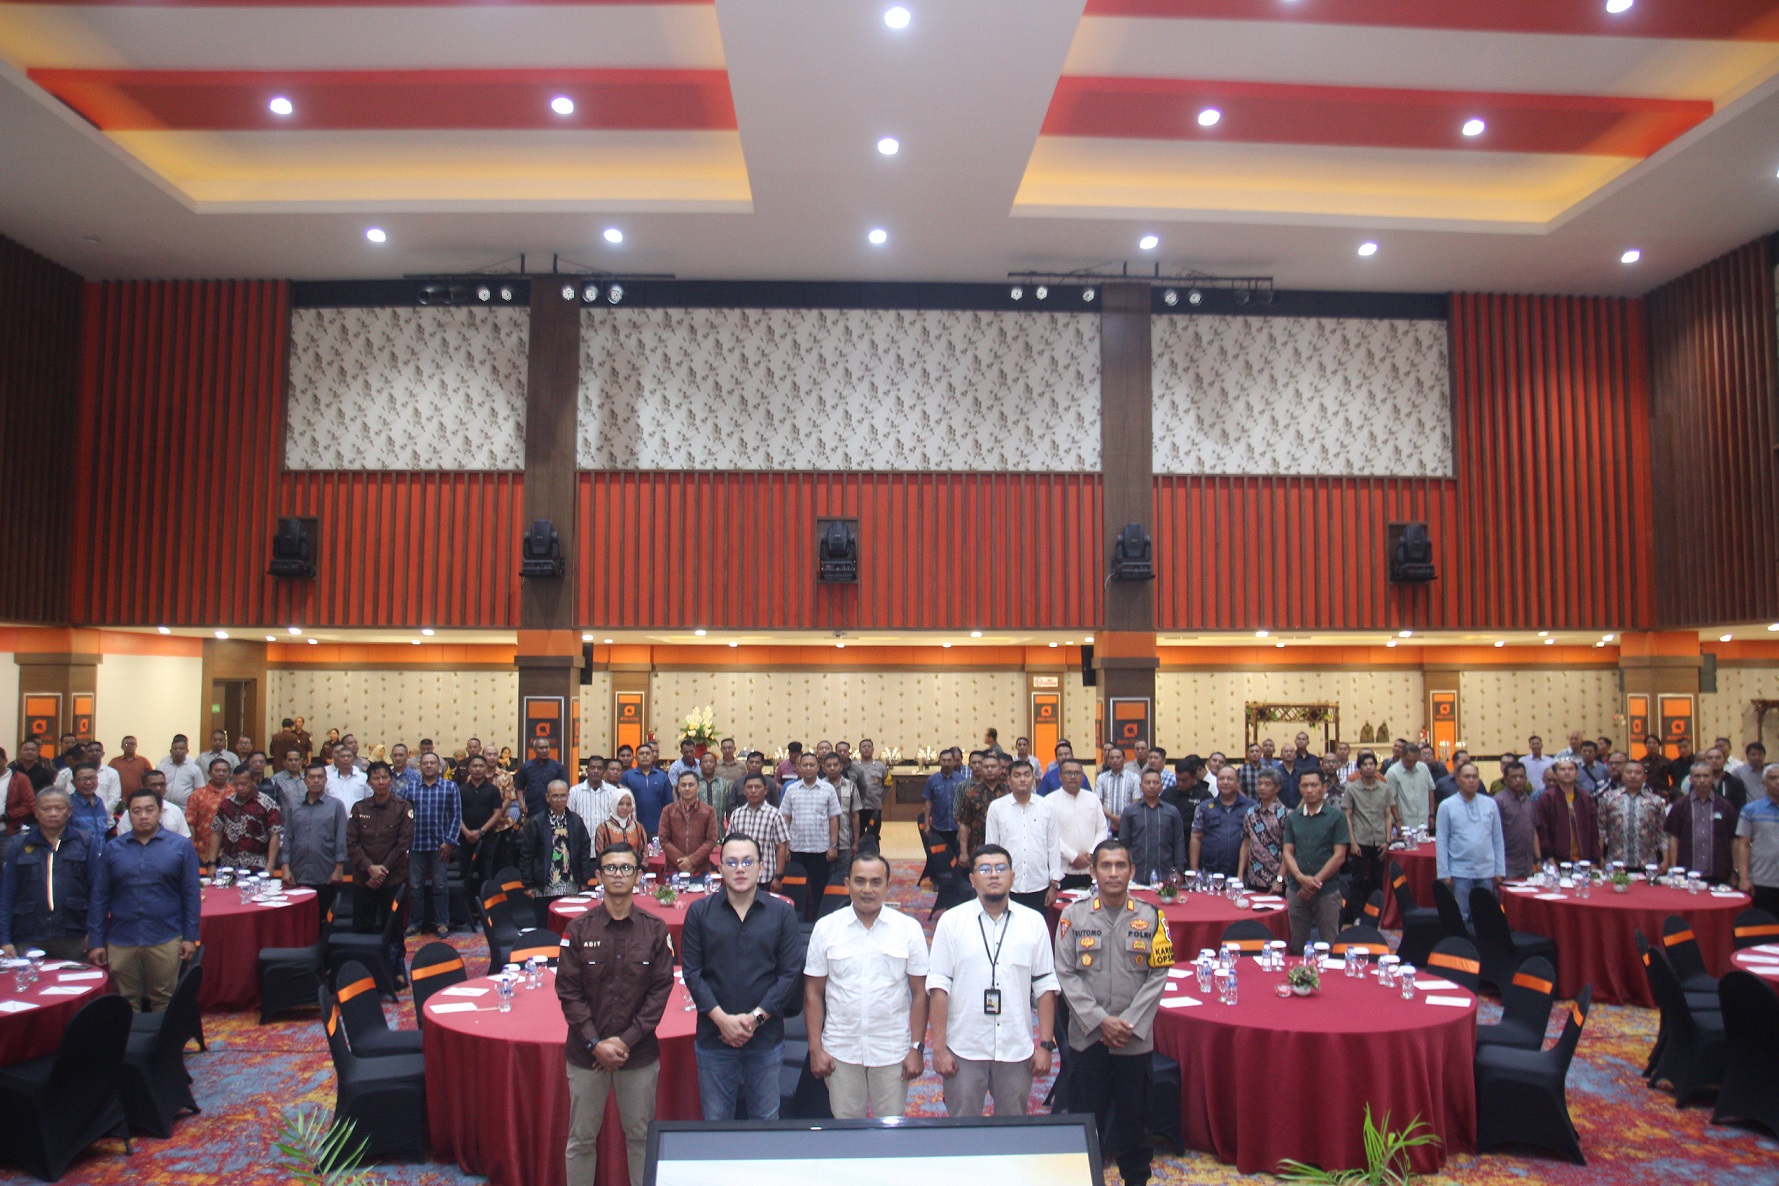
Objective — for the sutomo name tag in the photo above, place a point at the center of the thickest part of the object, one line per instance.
(991, 1002)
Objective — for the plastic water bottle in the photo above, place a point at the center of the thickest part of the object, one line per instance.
(532, 979)
(503, 985)
(1230, 998)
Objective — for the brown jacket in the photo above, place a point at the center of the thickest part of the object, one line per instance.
(688, 832)
(380, 836)
(613, 979)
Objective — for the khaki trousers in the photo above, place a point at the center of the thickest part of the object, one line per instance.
(852, 1086)
(587, 1092)
(1010, 1083)
(138, 972)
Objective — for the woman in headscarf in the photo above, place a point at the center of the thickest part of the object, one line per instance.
(622, 825)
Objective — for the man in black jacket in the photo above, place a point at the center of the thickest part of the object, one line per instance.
(555, 852)
(47, 883)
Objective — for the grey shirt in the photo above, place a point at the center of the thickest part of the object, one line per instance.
(1107, 966)
(869, 778)
(314, 838)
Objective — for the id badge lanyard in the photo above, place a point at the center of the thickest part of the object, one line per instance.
(991, 996)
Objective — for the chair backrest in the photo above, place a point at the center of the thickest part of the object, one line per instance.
(1664, 985)
(1564, 1050)
(536, 944)
(1527, 998)
(940, 858)
(1750, 1018)
(1490, 921)
(1401, 891)
(796, 884)
(1365, 938)
(1755, 926)
(1374, 908)
(498, 909)
(89, 1060)
(510, 880)
(1457, 961)
(1250, 933)
(835, 896)
(436, 965)
(184, 1017)
(1682, 946)
(1451, 919)
(359, 1003)
(334, 1026)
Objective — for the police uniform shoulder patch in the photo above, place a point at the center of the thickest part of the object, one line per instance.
(1062, 927)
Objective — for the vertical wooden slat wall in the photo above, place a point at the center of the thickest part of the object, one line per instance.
(40, 328)
(1712, 363)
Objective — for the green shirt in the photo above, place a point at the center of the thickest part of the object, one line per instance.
(1314, 838)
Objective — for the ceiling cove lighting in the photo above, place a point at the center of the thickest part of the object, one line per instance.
(222, 634)
(314, 642)
(946, 645)
(897, 17)
(1208, 117)
(613, 235)
(1473, 127)
(280, 105)
(1630, 257)
(375, 234)
(878, 237)
(428, 631)
(1405, 634)
(889, 146)
(1148, 243)
(1723, 638)
(1368, 249)
(1391, 643)
(562, 105)
(414, 641)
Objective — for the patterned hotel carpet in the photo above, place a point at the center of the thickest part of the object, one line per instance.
(252, 1072)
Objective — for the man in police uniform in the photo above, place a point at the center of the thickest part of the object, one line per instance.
(378, 832)
(1112, 959)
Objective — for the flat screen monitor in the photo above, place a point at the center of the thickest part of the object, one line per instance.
(1022, 1150)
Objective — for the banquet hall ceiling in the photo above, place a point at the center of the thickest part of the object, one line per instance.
(739, 139)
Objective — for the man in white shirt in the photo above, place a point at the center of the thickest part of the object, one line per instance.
(345, 781)
(991, 960)
(183, 775)
(219, 748)
(1080, 825)
(172, 815)
(1116, 786)
(1022, 824)
(1536, 763)
(1412, 784)
(865, 998)
(111, 786)
(592, 798)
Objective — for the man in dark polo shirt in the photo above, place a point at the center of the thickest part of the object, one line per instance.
(615, 977)
(1316, 842)
(378, 833)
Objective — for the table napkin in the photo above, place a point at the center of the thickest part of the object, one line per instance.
(54, 964)
(1179, 1002)
(65, 977)
(463, 1007)
(463, 990)
(16, 1006)
(573, 901)
(1521, 889)
(1552, 898)
(1767, 948)
(1429, 985)
(64, 990)
(1454, 1002)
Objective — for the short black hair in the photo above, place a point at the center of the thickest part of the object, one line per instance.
(989, 850)
(376, 766)
(223, 761)
(321, 766)
(872, 855)
(1108, 845)
(620, 846)
(739, 836)
(141, 791)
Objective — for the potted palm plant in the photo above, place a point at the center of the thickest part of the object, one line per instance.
(1386, 1158)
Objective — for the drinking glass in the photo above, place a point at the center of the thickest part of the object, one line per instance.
(1321, 957)
(1358, 961)
(1407, 977)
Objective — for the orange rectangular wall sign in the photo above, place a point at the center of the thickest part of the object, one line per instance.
(1442, 710)
(1676, 713)
(1131, 717)
(42, 716)
(82, 724)
(1637, 722)
(627, 720)
(543, 718)
(1046, 727)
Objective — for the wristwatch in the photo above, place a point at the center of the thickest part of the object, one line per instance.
(1048, 1044)
(918, 1047)
(758, 1013)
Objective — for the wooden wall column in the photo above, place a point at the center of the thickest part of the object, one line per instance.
(58, 678)
(549, 655)
(1124, 644)
(1657, 665)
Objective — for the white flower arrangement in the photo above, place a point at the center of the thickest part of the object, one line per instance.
(891, 757)
(926, 755)
(700, 725)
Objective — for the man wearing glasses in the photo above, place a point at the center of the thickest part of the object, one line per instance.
(614, 979)
(743, 957)
(991, 960)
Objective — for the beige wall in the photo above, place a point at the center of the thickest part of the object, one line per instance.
(9, 695)
(389, 706)
(1201, 711)
(1498, 710)
(1726, 712)
(151, 696)
(596, 714)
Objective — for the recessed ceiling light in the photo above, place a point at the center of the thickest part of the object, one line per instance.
(1088, 639)
(1473, 127)
(1405, 634)
(700, 632)
(840, 646)
(1052, 646)
(897, 17)
(1368, 248)
(1598, 645)
(1208, 117)
(164, 629)
(1500, 642)
(1391, 643)
(1617, 6)
(734, 644)
(608, 642)
(1606, 638)
(1723, 638)
(1170, 298)
(1041, 291)
(584, 637)
(296, 629)
(506, 292)
(280, 105)
(222, 634)
(889, 146)
(429, 632)
(1017, 292)
(1260, 634)
(562, 105)
(975, 634)
(1280, 644)
(1087, 294)
(1630, 257)
(946, 645)
(314, 642)
(1544, 634)
(615, 293)
(1148, 243)
(613, 235)
(414, 641)
(1550, 642)
(271, 638)
(375, 234)
(878, 237)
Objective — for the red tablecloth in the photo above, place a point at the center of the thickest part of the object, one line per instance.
(565, 910)
(1763, 961)
(233, 935)
(1196, 921)
(1596, 940)
(1418, 865)
(1276, 1077)
(34, 1032)
(497, 1086)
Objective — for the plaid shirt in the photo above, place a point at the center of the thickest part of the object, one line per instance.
(768, 829)
(438, 814)
(807, 809)
(405, 782)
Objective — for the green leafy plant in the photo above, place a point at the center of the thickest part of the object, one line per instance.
(1386, 1157)
(1620, 877)
(1305, 976)
(321, 1151)
(666, 895)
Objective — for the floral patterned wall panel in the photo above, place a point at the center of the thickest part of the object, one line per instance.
(426, 389)
(384, 707)
(1727, 713)
(1080, 714)
(596, 714)
(886, 389)
(908, 710)
(1500, 709)
(1290, 395)
(1201, 711)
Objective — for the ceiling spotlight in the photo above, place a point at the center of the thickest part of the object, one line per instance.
(1194, 297)
(1599, 645)
(732, 645)
(483, 293)
(889, 146)
(1630, 257)
(1723, 638)
(281, 106)
(1053, 646)
(568, 292)
(1617, 6)
(271, 638)
(1544, 634)
(1368, 248)
(615, 293)
(562, 105)
(1017, 292)
(1280, 644)
(1148, 243)
(1170, 298)
(1088, 640)
(1391, 643)
(375, 234)
(608, 642)
(1087, 294)
(164, 629)
(1774, 626)
(586, 638)
(222, 634)
(1606, 638)
(314, 642)
(946, 645)
(613, 235)
(1209, 117)
(414, 641)
(1405, 634)
(590, 293)
(296, 629)
(896, 18)
(1260, 633)
(840, 646)
(429, 632)
(1500, 642)
(878, 237)
(506, 292)
(1473, 127)
(1042, 292)
(975, 634)
(700, 632)
(1550, 642)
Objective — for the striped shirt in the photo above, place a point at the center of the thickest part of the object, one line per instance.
(438, 815)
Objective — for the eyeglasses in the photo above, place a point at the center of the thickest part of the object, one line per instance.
(993, 870)
(739, 862)
(618, 870)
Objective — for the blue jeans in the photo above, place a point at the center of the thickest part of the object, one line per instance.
(724, 1073)
(1461, 887)
(422, 868)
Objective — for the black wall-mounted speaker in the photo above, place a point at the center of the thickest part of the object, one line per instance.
(294, 547)
(1410, 554)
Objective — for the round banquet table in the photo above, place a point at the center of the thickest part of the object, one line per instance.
(1763, 961)
(1275, 1077)
(1418, 865)
(233, 934)
(565, 910)
(1596, 939)
(31, 1023)
(497, 1085)
(1196, 921)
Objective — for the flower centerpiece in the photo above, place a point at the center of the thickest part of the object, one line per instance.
(1621, 882)
(1303, 979)
(1169, 890)
(665, 895)
(700, 727)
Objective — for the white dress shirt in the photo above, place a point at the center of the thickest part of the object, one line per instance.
(1028, 834)
(347, 788)
(867, 996)
(182, 780)
(593, 803)
(172, 819)
(961, 965)
(110, 790)
(1080, 824)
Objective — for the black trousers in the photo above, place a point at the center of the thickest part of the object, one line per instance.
(1368, 870)
(870, 830)
(1034, 900)
(815, 865)
(476, 863)
(324, 896)
(1114, 1089)
(1075, 881)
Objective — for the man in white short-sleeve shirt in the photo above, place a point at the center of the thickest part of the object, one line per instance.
(992, 967)
(865, 998)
